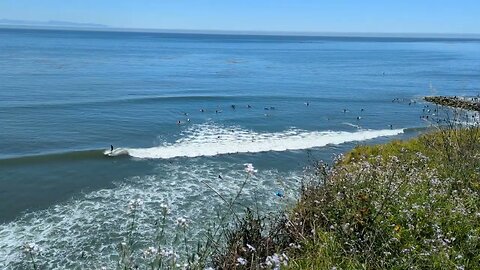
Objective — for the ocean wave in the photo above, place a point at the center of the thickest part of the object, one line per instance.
(126, 100)
(211, 140)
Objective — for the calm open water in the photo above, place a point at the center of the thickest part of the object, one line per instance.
(66, 96)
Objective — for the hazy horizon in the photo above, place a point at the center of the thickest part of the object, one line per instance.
(288, 16)
(86, 26)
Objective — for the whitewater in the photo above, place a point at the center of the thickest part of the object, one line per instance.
(211, 140)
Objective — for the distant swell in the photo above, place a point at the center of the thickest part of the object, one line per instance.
(157, 99)
(53, 157)
(212, 140)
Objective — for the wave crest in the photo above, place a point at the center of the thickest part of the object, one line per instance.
(212, 140)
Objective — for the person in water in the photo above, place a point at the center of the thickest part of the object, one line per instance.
(111, 148)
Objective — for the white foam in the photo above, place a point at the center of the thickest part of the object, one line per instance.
(95, 223)
(353, 125)
(116, 152)
(212, 140)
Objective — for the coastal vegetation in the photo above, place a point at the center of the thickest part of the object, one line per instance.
(403, 205)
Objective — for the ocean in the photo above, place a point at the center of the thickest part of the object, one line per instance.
(184, 113)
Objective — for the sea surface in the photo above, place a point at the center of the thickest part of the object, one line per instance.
(184, 113)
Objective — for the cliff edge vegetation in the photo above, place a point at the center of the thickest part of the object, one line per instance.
(411, 204)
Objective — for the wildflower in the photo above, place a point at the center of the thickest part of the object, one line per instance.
(250, 247)
(181, 222)
(249, 168)
(271, 260)
(169, 254)
(166, 253)
(149, 252)
(31, 248)
(275, 260)
(293, 245)
(241, 261)
(134, 204)
(165, 208)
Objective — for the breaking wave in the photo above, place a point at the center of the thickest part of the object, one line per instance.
(212, 140)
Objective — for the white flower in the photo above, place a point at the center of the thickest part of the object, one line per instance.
(165, 208)
(249, 168)
(276, 260)
(169, 254)
(31, 248)
(241, 261)
(150, 252)
(251, 247)
(134, 204)
(166, 253)
(273, 260)
(181, 222)
(293, 245)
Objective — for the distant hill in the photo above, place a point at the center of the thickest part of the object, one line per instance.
(51, 23)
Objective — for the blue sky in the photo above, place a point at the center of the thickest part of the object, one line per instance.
(387, 16)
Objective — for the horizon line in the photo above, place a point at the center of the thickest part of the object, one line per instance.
(106, 28)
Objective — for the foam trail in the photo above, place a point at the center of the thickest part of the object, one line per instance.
(211, 140)
(353, 125)
(83, 233)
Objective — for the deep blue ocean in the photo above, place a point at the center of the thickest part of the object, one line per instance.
(182, 110)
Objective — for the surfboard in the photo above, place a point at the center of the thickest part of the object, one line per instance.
(116, 152)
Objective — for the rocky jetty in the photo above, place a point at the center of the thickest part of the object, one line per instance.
(472, 103)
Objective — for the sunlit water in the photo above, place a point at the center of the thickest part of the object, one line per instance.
(66, 96)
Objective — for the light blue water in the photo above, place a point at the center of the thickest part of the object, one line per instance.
(65, 96)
